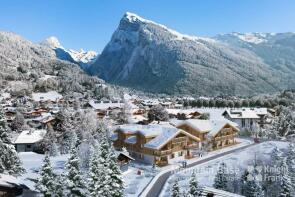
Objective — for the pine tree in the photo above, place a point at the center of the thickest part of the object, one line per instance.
(194, 188)
(54, 150)
(74, 181)
(117, 187)
(276, 156)
(112, 184)
(253, 186)
(46, 182)
(221, 178)
(97, 174)
(175, 189)
(59, 190)
(286, 184)
(3, 128)
(291, 162)
(9, 160)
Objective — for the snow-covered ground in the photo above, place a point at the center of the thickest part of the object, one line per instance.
(236, 162)
(134, 183)
(32, 162)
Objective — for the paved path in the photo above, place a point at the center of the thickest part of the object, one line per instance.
(160, 182)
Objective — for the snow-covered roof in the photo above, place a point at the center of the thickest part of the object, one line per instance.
(30, 137)
(47, 96)
(244, 113)
(104, 106)
(217, 125)
(165, 136)
(210, 126)
(146, 130)
(219, 193)
(8, 181)
(200, 125)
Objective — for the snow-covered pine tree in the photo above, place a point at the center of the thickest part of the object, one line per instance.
(175, 189)
(286, 184)
(54, 149)
(117, 185)
(276, 156)
(59, 190)
(3, 128)
(46, 181)
(97, 174)
(194, 189)
(9, 160)
(291, 162)
(253, 186)
(69, 141)
(74, 180)
(221, 178)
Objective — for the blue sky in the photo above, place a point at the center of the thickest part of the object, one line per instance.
(89, 24)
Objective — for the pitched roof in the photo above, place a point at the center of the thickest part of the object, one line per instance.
(30, 137)
(104, 106)
(164, 137)
(47, 96)
(242, 113)
(210, 126)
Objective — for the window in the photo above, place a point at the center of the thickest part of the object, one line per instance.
(243, 123)
(172, 156)
(180, 153)
(29, 146)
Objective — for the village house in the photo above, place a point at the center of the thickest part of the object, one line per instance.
(47, 97)
(28, 139)
(246, 118)
(214, 134)
(106, 108)
(155, 144)
(183, 114)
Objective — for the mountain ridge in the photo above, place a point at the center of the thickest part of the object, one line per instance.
(145, 55)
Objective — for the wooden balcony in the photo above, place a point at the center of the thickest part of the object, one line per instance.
(191, 146)
(179, 140)
(167, 152)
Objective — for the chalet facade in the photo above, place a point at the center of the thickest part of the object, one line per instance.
(28, 139)
(214, 134)
(247, 118)
(155, 144)
(165, 144)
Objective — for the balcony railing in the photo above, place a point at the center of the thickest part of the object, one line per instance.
(190, 146)
(178, 140)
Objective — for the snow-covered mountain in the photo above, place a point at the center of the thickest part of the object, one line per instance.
(149, 56)
(29, 64)
(276, 49)
(83, 58)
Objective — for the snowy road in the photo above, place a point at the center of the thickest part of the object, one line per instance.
(158, 184)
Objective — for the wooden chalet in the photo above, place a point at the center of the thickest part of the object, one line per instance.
(155, 144)
(216, 133)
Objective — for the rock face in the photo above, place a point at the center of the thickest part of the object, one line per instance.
(151, 57)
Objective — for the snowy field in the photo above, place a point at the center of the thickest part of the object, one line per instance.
(134, 183)
(236, 162)
(32, 162)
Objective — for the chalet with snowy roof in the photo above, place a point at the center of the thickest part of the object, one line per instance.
(28, 139)
(183, 114)
(246, 118)
(155, 144)
(10, 186)
(105, 108)
(216, 133)
(47, 97)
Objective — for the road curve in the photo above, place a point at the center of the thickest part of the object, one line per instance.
(160, 182)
